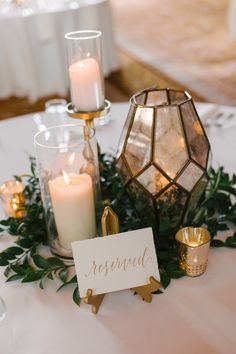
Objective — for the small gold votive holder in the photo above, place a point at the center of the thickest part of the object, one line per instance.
(13, 199)
(194, 246)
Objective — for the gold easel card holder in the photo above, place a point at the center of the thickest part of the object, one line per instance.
(118, 261)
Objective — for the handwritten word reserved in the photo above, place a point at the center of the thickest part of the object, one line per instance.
(116, 264)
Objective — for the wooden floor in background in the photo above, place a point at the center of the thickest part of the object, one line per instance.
(134, 75)
(14, 106)
(188, 41)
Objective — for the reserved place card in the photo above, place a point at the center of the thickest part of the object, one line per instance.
(116, 262)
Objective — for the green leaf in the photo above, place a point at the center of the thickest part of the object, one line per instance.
(24, 242)
(76, 296)
(3, 262)
(54, 261)
(71, 281)
(165, 280)
(7, 271)
(164, 255)
(18, 269)
(13, 227)
(14, 277)
(18, 178)
(31, 276)
(230, 241)
(8, 256)
(63, 275)
(41, 284)
(171, 266)
(50, 276)
(5, 222)
(32, 167)
(14, 251)
(217, 243)
(176, 274)
(41, 262)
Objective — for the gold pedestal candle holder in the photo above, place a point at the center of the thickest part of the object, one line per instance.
(88, 117)
(13, 198)
(194, 247)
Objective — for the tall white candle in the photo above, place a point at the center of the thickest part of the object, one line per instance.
(73, 207)
(86, 84)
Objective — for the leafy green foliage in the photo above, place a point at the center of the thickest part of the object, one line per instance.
(23, 261)
(216, 210)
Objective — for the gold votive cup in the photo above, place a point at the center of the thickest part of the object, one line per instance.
(194, 246)
(13, 199)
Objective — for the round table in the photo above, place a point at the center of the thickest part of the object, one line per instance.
(33, 46)
(193, 315)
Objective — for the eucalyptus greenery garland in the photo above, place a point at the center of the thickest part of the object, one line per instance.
(23, 261)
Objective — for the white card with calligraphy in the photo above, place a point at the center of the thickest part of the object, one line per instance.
(116, 262)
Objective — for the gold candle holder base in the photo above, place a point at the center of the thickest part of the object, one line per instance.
(194, 245)
(13, 199)
(18, 205)
(194, 271)
(19, 2)
(88, 117)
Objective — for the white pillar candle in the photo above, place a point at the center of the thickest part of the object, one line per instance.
(86, 84)
(73, 207)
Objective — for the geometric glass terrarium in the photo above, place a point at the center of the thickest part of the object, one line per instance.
(163, 155)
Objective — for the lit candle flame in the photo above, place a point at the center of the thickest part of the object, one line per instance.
(194, 244)
(14, 206)
(80, 64)
(66, 178)
(71, 159)
(182, 144)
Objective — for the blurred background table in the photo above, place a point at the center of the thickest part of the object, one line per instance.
(33, 59)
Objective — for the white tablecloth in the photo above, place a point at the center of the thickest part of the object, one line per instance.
(32, 45)
(194, 315)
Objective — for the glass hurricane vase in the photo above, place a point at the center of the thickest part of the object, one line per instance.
(67, 163)
(84, 54)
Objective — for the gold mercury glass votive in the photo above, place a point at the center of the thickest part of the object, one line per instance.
(13, 198)
(194, 247)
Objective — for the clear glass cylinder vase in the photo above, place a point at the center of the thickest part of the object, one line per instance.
(68, 169)
(84, 56)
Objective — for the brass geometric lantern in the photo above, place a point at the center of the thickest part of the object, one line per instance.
(163, 155)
